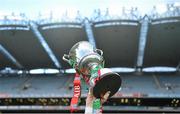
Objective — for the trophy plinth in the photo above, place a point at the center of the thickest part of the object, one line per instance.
(108, 81)
(89, 62)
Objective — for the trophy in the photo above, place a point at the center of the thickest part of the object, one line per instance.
(89, 63)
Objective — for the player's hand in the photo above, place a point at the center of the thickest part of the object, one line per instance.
(90, 97)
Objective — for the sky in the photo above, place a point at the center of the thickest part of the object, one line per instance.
(86, 7)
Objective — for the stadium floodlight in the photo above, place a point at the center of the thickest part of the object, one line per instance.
(159, 69)
(44, 71)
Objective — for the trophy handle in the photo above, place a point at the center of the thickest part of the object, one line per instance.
(66, 58)
(100, 52)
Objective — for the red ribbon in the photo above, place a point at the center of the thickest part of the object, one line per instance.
(77, 90)
(98, 77)
(77, 93)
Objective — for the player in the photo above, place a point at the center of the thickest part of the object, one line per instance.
(89, 102)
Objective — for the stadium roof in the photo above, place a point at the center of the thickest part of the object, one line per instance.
(128, 40)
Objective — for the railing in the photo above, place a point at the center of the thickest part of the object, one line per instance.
(133, 13)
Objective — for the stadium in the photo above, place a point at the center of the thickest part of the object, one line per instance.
(143, 48)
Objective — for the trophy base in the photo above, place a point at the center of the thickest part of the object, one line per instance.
(108, 82)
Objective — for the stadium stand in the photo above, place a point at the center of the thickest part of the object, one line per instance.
(62, 36)
(25, 47)
(162, 47)
(122, 38)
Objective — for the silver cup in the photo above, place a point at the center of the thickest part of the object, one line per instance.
(88, 61)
